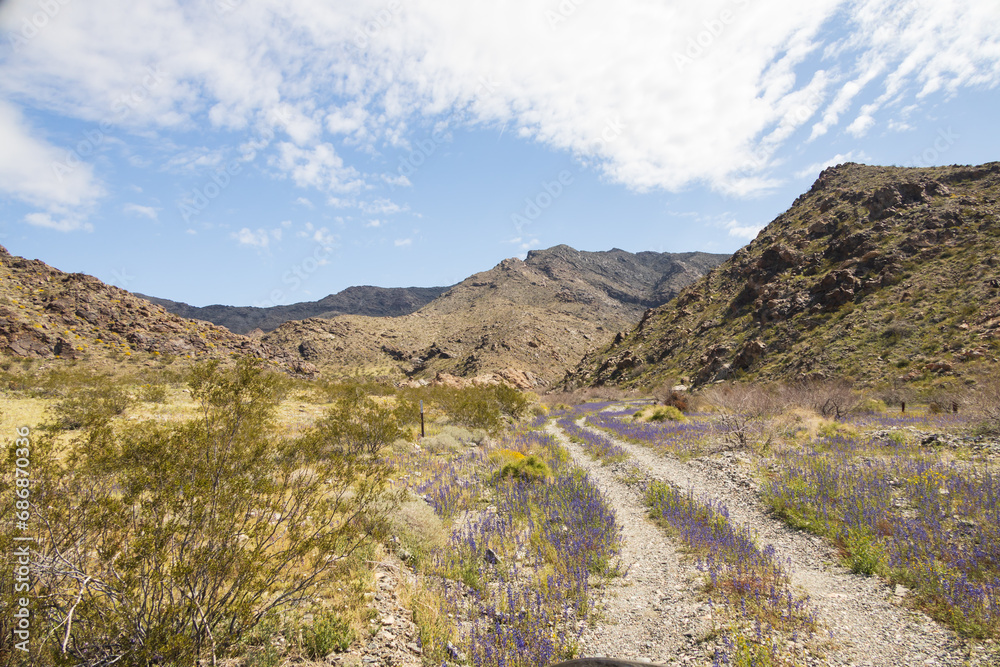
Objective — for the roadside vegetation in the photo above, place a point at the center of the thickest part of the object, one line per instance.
(911, 496)
(229, 514)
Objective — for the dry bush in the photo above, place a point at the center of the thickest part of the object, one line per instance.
(832, 399)
(744, 411)
(983, 401)
(895, 394)
(417, 531)
(665, 395)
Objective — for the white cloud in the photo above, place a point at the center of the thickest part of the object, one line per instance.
(260, 238)
(306, 203)
(144, 211)
(57, 181)
(748, 232)
(246, 236)
(382, 207)
(374, 223)
(60, 224)
(402, 243)
(655, 95)
(814, 169)
(325, 237)
(319, 167)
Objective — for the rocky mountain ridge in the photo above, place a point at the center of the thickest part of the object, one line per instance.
(529, 319)
(358, 300)
(877, 274)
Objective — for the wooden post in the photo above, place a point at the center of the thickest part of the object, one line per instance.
(954, 408)
(902, 407)
(421, 419)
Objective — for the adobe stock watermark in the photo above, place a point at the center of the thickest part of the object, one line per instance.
(712, 30)
(32, 25)
(121, 278)
(422, 151)
(224, 7)
(547, 194)
(121, 108)
(424, 148)
(609, 133)
(297, 276)
(198, 199)
(562, 13)
(944, 140)
(363, 35)
(194, 202)
(21, 555)
(761, 154)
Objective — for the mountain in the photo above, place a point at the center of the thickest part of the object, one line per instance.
(877, 274)
(527, 320)
(363, 300)
(46, 313)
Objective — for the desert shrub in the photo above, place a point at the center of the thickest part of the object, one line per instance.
(743, 412)
(832, 399)
(489, 408)
(871, 406)
(896, 332)
(667, 413)
(329, 633)
(440, 442)
(92, 405)
(152, 393)
(665, 395)
(529, 469)
(417, 531)
(895, 393)
(864, 554)
(166, 544)
(983, 401)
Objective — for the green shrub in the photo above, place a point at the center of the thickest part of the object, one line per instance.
(152, 393)
(667, 413)
(529, 469)
(329, 633)
(189, 535)
(92, 406)
(864, 554)
(871, 406)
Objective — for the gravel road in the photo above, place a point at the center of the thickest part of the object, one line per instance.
(654, 612)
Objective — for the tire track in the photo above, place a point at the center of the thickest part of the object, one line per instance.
(868, 625)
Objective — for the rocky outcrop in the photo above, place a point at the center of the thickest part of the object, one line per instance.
(46, 313)
(524, 321)
(865, 251)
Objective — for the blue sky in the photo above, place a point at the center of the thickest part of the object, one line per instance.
(257, 153)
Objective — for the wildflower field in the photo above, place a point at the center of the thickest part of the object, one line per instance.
(530, 535)
(921, 515)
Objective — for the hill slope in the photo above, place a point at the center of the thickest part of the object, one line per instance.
(532, 319)
(362, 300)
(875, 274)
(46, 313)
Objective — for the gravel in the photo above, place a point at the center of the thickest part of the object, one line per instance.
(654, 612)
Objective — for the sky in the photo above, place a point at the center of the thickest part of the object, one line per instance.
(274, 151)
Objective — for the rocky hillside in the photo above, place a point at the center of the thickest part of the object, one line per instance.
(363, 300)
(46, 313)
(530, 320)
(876, 274)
